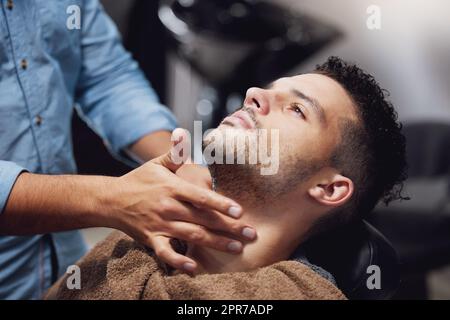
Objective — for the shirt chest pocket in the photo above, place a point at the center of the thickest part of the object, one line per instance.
(61, 29)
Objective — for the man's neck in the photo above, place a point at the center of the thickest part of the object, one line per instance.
(279, 232)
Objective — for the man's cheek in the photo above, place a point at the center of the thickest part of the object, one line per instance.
(269, 151)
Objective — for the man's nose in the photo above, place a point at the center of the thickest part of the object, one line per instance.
(258, 100)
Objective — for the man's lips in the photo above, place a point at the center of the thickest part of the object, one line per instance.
(242, 119)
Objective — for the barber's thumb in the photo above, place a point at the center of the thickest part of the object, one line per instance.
(178, 154)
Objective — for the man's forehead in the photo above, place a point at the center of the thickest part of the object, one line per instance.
(311, 81)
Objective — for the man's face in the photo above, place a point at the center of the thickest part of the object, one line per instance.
(305, 110)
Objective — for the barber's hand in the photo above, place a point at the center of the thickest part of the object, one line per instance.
(152, 205)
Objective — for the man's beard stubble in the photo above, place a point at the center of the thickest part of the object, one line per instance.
(245, 183)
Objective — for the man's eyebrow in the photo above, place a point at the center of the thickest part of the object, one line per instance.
(313, 102)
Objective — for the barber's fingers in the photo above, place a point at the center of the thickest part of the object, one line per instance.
(163, 249)
(197, 196)
(201, 236)
(178, 154)
(212, 220)
(207, 199)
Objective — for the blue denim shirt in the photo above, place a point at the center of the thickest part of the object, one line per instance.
(45, 70)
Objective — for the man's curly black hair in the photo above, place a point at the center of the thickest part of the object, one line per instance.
(372, 150)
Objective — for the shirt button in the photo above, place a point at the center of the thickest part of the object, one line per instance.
(10, 4)
(38, 120)
(24, 64)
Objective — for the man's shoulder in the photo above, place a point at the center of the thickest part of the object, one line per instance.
(314, 285)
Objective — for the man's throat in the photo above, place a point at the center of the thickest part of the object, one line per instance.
(280, 229)
(268, 248)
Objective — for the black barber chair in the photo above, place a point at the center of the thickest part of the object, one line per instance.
(419, 229)
(348, 252)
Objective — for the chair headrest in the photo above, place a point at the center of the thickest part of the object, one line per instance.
(348, 251)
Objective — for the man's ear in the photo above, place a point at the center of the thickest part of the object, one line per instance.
(334, 191)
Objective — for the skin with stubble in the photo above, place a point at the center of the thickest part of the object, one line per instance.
(307, 110)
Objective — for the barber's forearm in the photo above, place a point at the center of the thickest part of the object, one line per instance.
(43, 204)
(151, 146)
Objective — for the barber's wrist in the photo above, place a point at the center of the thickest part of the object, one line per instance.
(102, 206)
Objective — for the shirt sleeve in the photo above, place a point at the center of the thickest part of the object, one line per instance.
(9, 171)
(114, 97)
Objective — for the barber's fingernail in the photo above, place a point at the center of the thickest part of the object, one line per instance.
(188, 266)
(235, 246)
(234, 211)
(249, 233)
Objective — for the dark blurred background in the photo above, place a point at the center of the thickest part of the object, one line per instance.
(200, 56)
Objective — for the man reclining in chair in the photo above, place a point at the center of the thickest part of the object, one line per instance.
(340, 152)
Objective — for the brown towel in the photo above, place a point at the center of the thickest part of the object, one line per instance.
(119, 268)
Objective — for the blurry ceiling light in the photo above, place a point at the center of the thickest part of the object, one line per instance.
(234, 102)
(204, 107)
